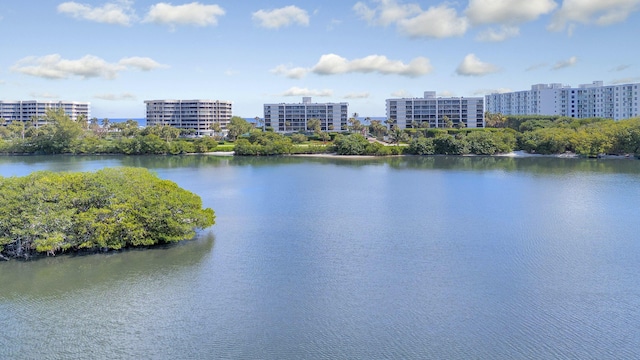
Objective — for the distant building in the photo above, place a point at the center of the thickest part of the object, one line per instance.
(198, 115)
(587, 100)
(293, 117)
(31, 109)
(432, 110)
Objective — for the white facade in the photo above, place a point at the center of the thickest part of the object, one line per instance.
(199, 115)
(32, 109)
(410, 112)
(588, 100)
(293, 117)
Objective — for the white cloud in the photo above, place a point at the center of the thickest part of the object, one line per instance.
(89, 66)
(116, 97)
(509, 12)
(436, 22)
(446, 93)
(362, 95)
(292, 73)
(141, 63)
(332, 64)
(187, 14)
(565, 63)
(277, 18)
(44, 95)
(296, 91)
(118, 13)
(364, 12)
(388, 12)
(592, 12)
(472, 66)
(505, 32)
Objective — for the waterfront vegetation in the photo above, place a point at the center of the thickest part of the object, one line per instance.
(533, 134)
(113, 208)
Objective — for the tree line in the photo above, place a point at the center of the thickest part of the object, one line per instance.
(57, 133)
(558, 134)
(113, 208)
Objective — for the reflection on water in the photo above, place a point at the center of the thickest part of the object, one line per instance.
(403, 257)
(75, 272)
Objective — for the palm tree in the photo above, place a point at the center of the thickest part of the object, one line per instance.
(397, 135)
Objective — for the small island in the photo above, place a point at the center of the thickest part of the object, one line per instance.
(46, 213)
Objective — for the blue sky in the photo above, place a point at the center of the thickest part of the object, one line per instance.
(116, 54)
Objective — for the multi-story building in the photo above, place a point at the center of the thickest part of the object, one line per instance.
(36, 110)
(198, 115)
(587, 100)
(432, 110)
(293, 117)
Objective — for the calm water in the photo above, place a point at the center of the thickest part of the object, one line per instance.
(403, 258)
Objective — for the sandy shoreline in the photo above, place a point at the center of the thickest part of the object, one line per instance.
(513, 154)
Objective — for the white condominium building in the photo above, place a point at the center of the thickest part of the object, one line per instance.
(589, 100)
(198, 115)
(36, 110)
(432, 110)
(293, 117)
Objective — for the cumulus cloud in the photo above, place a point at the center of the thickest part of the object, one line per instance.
(436, 22)
(472, 66)
(117, 13)
(332, 64)
(410, 19)
(116, 97)
(290, 72)
(141, 63)
(296, 91)
(511, 12)
(446, 93)
(187, 14)
(565, 63)
(89, 66)
(592, 12)
(362, 95)
(277, 18)
(492, 35)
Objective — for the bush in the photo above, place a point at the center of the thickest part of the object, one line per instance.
(421, 146)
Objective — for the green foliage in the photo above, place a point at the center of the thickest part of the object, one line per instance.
(421, 146)
(397, 135)
(354, 144)
(547, 141)
(298, 138)
(108, 209)
(263, 143)
(449, 145)
(238, 126)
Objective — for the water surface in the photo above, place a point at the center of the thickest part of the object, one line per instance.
(405, 258)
